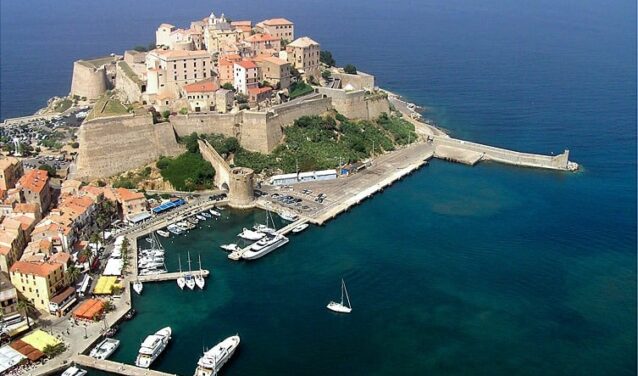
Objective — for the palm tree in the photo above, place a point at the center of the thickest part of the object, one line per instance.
(72, 273)
(26, 306)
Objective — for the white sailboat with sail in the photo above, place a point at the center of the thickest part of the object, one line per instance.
(340, 307)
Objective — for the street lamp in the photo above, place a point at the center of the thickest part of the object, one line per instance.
(85, 334)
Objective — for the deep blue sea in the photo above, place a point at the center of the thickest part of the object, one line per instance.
(456, 270)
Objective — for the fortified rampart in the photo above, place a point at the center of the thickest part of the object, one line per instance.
(129, 87)
(356, 104)
(356, 81)
(111, 145)
(88, 81)
(222, 169)
(450, 148)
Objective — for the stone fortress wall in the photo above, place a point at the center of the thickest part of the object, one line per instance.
(92, 78)
(111, 145)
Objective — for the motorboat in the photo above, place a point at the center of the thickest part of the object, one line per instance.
(229, 247)
(105, 348)
(181, 282)
(300, 228)
(74, 371)
(251, 235)
(151, 264)
(129, 315)
(150, 240)
(163, 233)
(138, 287)
(174, 229)
(152, 253)
(265, 229)
(264, 246)
(193, 220)
(215, 212)
(288, 216)
(341, 307)
(212, 360)
(205, 214)
(152, 347)
(152, 271)
(199, 278)
(200, 217)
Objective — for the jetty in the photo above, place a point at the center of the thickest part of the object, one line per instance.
(171, 276)
(115, 367)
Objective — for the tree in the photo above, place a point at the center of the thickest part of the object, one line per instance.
(72, 273)
(326, 58)
(350, 69)
(52, 351)
(228, 86)
(75, 145)
(284, 43)
(326, 74)
(166, 114)
(101, 183)
(51, 170)
(140, 48)
(183, 111)
(241, 98)
(26, 306)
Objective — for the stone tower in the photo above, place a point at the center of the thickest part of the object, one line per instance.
(240, 192)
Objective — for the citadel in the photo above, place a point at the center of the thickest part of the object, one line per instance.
(218, 76)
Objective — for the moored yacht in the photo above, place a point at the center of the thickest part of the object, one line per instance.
(264, 246)
(105, 348)
(251, 235)
(229, 247)
(264, 229)
(163, 233)
(174, 229)
(74, 371)
(288, 216)
(152, 347)
(215, 212)
(213, 359)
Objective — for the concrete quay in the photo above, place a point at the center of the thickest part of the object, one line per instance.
(115, 367)
(170, 276)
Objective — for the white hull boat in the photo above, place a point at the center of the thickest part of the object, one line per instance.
(264, 247)
(163, 233)
(207, 215)
(105, 348)
(213, 360)
(200, 217)
(300, 228)
(181, 282)
(74, 371)
(199, 278)
(190, 280)
(287, 216)
(174, 229)
(215, 212)
(152, 347)
(251, 235)
(138, 287)
(265, 229)
(229, 247)
(341, 307)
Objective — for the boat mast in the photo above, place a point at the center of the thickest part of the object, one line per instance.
(342, 285)
(347, 297)
(179, 260)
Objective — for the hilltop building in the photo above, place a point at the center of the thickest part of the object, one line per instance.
(303, 54)
(35, 189)
(280, 28)
(246, 76)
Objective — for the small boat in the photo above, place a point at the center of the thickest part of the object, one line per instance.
(215, 212)
(152, 347)
(138, 287)
(74, 371)
(190, 281)
(288, 216)
(181, 282)
(207, 215)
(218, 208)
(193, 220)
(163, 233)
(199, 278)
(105, 348)
(265, 229)
(264, 247)
(152, 271)
(130, 314)
(340, 307)
(251, 235)
(112, 330)
(200, 217)
(300, 228)
(174, 229)
(212, 360)
(229, 247)
(149, 240)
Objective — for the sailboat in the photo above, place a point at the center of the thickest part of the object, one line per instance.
(180, 280)
(339, 307)
(199, 278)
(190, 281)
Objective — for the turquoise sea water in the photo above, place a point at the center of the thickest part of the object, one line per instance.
(490, 270)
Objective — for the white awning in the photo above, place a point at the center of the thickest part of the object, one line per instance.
(9, 358)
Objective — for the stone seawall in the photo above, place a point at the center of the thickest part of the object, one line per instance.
(109, 146)
(354, 104)
(446, 146)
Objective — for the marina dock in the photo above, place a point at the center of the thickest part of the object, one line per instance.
(115, 367)
(170, 276)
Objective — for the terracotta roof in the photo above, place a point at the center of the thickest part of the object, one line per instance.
(276, 22)
(181, 54)
(58, 299)
(34, 180)
(270, 59)
(241, 23)
(61, 258)
(259, 90)
(261, 38)
(246, 64)
(128, 195)
(27, 208)
(303, 42)
(204, 86)
(42, 269)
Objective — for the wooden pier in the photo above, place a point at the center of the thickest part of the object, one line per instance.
(236, 255)
(170, 276)
(115, 367)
